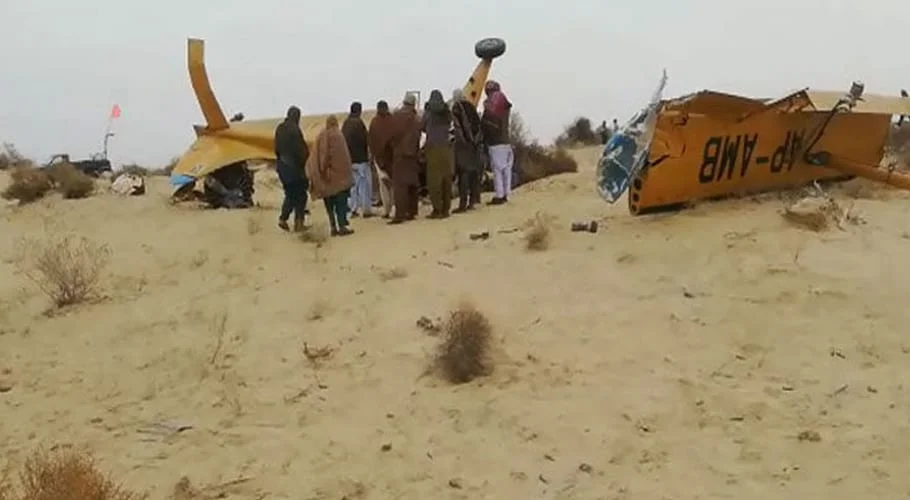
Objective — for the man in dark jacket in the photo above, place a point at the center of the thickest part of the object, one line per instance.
(291, 152)
(468, 150)
(355, 133)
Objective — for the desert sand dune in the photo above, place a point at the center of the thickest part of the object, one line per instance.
(714, 353)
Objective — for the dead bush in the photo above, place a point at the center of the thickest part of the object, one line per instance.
(28, 184)
(537, 233)
(464, 353)
(65, 475)
(70, 181)
(11, 158)
(533, 161)
(135, 169)
(67, 269)
(578, 133)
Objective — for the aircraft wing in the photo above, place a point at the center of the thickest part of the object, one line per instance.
(209, 153)
(248, 140)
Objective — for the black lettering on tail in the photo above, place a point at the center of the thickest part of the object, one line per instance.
(748, 148)
(709, 160)
(728, 157)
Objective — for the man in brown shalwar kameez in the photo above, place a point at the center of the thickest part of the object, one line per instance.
(405, 143)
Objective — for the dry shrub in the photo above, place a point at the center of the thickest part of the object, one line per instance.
(71, 182)
(464, 353)
(537, 234)
(28, 184)
(135, 169)
(534, 161)
(65, 475)
(578, 133)
(11, 158)
(67, 269)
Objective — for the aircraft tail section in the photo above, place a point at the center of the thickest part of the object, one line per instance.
(211, 110)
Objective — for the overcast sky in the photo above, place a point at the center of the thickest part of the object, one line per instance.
(65, 62)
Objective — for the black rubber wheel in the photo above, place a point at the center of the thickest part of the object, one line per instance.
(490, 48)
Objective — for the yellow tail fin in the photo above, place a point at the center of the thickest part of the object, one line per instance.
(211, 110)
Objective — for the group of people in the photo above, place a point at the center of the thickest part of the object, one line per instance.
(458, 144)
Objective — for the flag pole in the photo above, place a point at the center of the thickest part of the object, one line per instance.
(115, 112)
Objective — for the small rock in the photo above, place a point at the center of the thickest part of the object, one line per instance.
(871, 389)
(455, 483)
(386, 447)
(5, 386)
(586, 468)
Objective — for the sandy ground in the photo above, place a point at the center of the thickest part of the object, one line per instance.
(675, 356)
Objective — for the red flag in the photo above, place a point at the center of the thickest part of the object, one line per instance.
(115, 111)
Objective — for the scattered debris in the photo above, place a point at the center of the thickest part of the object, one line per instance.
(818, 211)
(445, 264)
(840, 390)
(128, 185)
(316, 353)
(590, 226)
(485, 235)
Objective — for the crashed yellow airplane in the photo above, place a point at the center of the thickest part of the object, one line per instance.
(712, 145)
(221, 142)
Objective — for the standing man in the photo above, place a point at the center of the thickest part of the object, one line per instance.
(468, 150)
(331, 174)
(437, 121)
(405, 144)
(355, 134)
(495, 123)
(381, 153)
(291, 154)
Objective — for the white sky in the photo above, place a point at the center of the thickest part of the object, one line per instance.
(66, 62)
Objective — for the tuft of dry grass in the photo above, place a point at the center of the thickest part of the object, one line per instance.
(70, 181)
(316, 234)
(67, 269)
(253, 227)
(319, 309)
(65, 475)
(27, 184)
(464, 353)
(537, 234)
